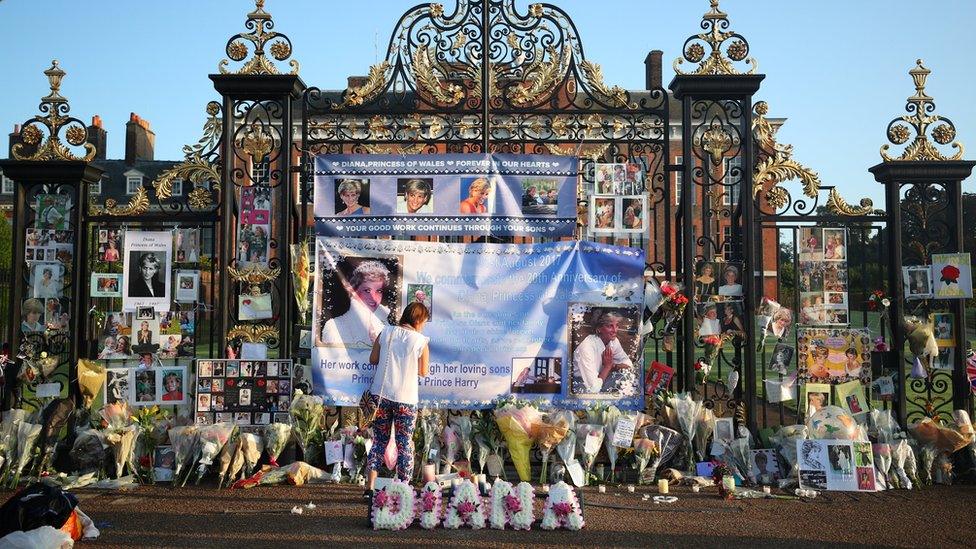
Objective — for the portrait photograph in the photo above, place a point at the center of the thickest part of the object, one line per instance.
(603, 214)
(609, 178)
(780, 322)
(145, 313)
(781, 359)
(835, 245)
(730, 316)
(147, 270)
(724, 430)
(917, 280)
(811, 244)
(253, 244)
(592, 330)
(539, 196)
(187, 286)
(415, 195)
(359, 297)
(187, 244)
(706, 278)
(52, 211)
(205, 368)
(169, 345)
(116, 385)
(816, 396)
(256, 205)
(944, 329)
(110, 249)
(145, 336)
(709, 323)
(106, 285)
(351, 197)
(540, 375)
(203, 402)
(145, 386)
(422, 293)
(764, 466)
(47, 279)
(634, 214)
(730, 280)
(174, 381)
(477, 196)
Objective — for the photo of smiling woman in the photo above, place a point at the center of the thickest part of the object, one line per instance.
(478, 193)
(356, 303)
(352, 197)
(414, 196)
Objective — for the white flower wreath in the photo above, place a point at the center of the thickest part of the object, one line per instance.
(466, 508)
(429, 506)
(562, 509)
(511, 505)
(393, 507)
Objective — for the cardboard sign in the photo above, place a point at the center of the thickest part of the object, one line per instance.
(333, 451)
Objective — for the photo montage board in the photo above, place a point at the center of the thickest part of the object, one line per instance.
(246, 392)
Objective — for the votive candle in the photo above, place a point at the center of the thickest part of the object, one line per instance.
(662, 486)
(602, 489)
(767, 490)
(695, 488)
(630, 488)
(429, 472)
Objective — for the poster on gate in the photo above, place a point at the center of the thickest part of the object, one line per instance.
(525, 319)
(445, 195)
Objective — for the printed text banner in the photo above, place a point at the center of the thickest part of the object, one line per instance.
(445, 195)
(494, 307)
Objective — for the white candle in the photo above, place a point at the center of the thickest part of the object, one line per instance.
(630, 488)
(602, 489)
(695, 488)
(545, 488)
(662, 486)
(767, 490)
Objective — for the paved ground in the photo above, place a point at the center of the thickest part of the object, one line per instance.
(158, 516)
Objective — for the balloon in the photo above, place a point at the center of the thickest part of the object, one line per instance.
(832, 422)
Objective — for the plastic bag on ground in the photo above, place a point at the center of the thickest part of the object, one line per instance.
(45, 537)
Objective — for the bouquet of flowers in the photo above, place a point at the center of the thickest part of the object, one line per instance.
(721, 471)
(882, 462)
(567, 446)
(213, 438)
(785, 441)
(252, 446)
(879, 301)
(27, 435)
(645, 450)
(905, 465)
(147, 418)
(672, 306)
(462, 426)
(451, 444)
(511, 505)
(276, 437)
(489, 439)
(8, 437)
(300, 273)
(231, 459)
(550, 433)
(589, 436)
(430, 427)
(307, 412)
(116, 417)
(430, 506)
(610, 420)
(393, 507)
(703, 431)
(466, 508)
(562, 509)
(184, 441)
(687, 410)
(122, 443)
(517, 420)
(91, 378)
(713, 345)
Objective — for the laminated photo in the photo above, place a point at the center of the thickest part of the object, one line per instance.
(106, 285)
(833, 355)
(944, 329)
(147, 270)
(952, 276)
(917, 280)
(603, 214)
(187, 286)
(593, 329)
(816, 396)
(840, 465)
(53, 212)
(187, 245)
(851, 397)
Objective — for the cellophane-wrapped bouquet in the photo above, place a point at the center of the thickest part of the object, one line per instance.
(120, 434)
(594, 432)
(489, 439)
(552, 429)
(231, 459)
(785, 442)
(430, 427)
(451, 444)
(8, 438)
(518, 420)
(213, 438)
(687, 410)
(462, 426)
(27, 435)
(307, 413)
(252, 445)
(645, 452)
(147, 419)
(276, 436)
(566, 448)
(610, 419)
(183, 438)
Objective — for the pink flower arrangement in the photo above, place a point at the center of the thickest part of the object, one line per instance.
(429, 506)
(393, 507)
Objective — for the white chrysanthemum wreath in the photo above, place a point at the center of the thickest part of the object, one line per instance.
(393, 506)
(429, 506)
(511, 505)
(466, 507)
(562, 509)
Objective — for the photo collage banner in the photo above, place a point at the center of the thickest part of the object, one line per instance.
(718, 297)
(445, 195)
(534, 320)
(146, 386)
(823, 277)
(618, 203)
(244, 392)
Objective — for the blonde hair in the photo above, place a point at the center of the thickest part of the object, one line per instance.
(350, 185)
(480, 183)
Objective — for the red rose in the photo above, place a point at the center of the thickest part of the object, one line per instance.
(668, 289)
(260, 383)
(144, 462)
(950, 274)
(247, 301)
(230, 382)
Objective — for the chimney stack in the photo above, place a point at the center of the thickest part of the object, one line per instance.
(652, 69)
(140, 141)
(355, 81)
(98, 137)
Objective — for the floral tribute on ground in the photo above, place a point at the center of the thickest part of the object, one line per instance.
(562, 509)
(511, 505)
(430, 506)
(466, 508)
(393, 507)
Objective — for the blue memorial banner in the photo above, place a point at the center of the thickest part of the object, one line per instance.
(557, 321)
(445, 195)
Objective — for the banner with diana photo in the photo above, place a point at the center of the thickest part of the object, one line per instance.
(532, 319)
(445, 194)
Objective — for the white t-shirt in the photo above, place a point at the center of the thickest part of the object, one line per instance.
(588, 357)
(396, 376)
(730, 289)
(352, 328)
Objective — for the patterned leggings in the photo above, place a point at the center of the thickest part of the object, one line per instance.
(404, 417)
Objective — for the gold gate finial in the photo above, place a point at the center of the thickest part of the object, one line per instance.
(919, 107)
(55, 108)
(717, 62)
(260, 33)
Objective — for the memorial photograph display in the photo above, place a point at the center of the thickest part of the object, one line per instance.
(247, 393)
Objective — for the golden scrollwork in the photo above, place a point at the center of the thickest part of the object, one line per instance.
(196, 170)
(920, 106)
(253, 333)
(413, 148)
(717, 62)
(374, 85)
(137, 205)
(55, 105)
(837, 204)
(425, 71)
(717, 141)
(583, 151)
(280, 47)
(541, 76)
(200, 198)
(256, 141)
(593, 73)
(254, 274)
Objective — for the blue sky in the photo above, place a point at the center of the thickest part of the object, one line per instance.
(837, 69)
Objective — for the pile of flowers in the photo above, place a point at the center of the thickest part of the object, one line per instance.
(518, 421)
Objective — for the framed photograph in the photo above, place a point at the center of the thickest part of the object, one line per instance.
(816, 396)
(147, 270)
(633, 214)
(47, 279)
(164, 463)
(253, 243)
(603, 214)
(724, 431)
(106, 285)
(145, 313)
(835, 244)
(764, 466)
(593, 329)
(917, 280)
(851, 397)
(944, 329)
(609, 178)
(116, 385)
(52, 211)
(415, 195)
(187, 243)
(187, 286)
(351, 197)
(946, 359)
(781, 358)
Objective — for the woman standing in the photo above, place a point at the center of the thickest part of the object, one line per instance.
(402, 355)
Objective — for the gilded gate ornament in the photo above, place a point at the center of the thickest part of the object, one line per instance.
(34, 146)
(260, 24)
(919, 107)
(717, 61)
(197, 167)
